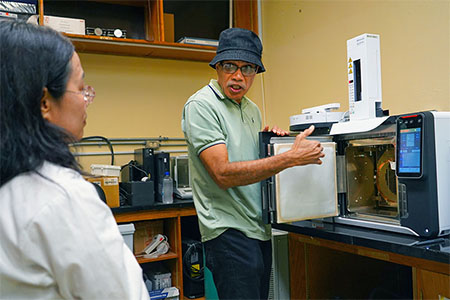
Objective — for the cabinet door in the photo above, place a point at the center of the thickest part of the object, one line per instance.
(306, 192)
(431, 285)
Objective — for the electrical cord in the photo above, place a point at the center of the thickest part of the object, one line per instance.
(123, 192)
(345, 117)
(127, 164)
(107, 141)
(142, 170)
(132, 164)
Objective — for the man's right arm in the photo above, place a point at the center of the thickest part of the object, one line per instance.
(229, 174)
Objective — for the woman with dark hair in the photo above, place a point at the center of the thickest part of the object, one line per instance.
(57, 238)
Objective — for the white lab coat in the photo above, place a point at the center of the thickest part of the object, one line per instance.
(59, 240)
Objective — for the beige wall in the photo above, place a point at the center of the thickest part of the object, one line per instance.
(305, 53)
(139, 97)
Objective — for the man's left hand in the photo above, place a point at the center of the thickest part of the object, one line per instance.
(276, 130)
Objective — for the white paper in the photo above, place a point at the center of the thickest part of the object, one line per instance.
(356, 126)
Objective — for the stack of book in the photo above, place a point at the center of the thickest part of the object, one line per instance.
(198, 41)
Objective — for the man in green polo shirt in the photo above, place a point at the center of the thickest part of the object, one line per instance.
(221, 127)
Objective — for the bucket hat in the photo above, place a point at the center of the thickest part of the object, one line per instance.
(239, 44)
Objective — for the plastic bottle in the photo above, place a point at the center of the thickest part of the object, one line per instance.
(167, 190)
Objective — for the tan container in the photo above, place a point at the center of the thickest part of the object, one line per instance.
(110, 186)
(169, 28)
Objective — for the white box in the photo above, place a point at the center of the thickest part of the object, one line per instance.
(160, 280)
(127, 231)
(364, 76)
(67, 25)
(170, 293)
(105, 170)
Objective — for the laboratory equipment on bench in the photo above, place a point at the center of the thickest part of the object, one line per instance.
(364, 77)
(321, 116)
(157, 246)
(381, 172)
(393, 177)
(181, 177)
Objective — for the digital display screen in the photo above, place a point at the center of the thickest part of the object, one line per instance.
(357, 79)
(409, 154)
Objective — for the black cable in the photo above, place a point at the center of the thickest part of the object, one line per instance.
(124, 192)
(124, 196)
(142, 170)
(127, 164)
(133, 164)
(97, 137)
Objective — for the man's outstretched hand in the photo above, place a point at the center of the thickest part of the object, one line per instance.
(306, 151)
(276, 130)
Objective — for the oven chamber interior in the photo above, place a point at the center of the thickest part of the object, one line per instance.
(370, 178)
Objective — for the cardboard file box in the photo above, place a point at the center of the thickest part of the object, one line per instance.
(67, 25)
(110, 186)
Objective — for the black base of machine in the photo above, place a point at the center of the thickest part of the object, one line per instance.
(193, 279)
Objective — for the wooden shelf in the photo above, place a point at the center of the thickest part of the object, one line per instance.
(154, 43)
(172, 229)
(167, 256)
(143, 48)
(145, 215)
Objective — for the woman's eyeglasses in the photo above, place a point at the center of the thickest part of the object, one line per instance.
(88, 93)
(247, 70)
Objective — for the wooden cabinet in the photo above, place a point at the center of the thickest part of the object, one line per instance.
(432, 285)
(144, 22)
(325, 269)
(172, 229)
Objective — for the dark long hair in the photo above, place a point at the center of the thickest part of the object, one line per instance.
(31, 58)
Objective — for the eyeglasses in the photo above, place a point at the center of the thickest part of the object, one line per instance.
(88, 93)
(246, 70)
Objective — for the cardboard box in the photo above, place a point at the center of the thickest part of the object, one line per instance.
(110, 185)
(145, 231)
(169, 28)
(67, 25)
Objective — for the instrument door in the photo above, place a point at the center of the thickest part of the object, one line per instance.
(301, 192)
